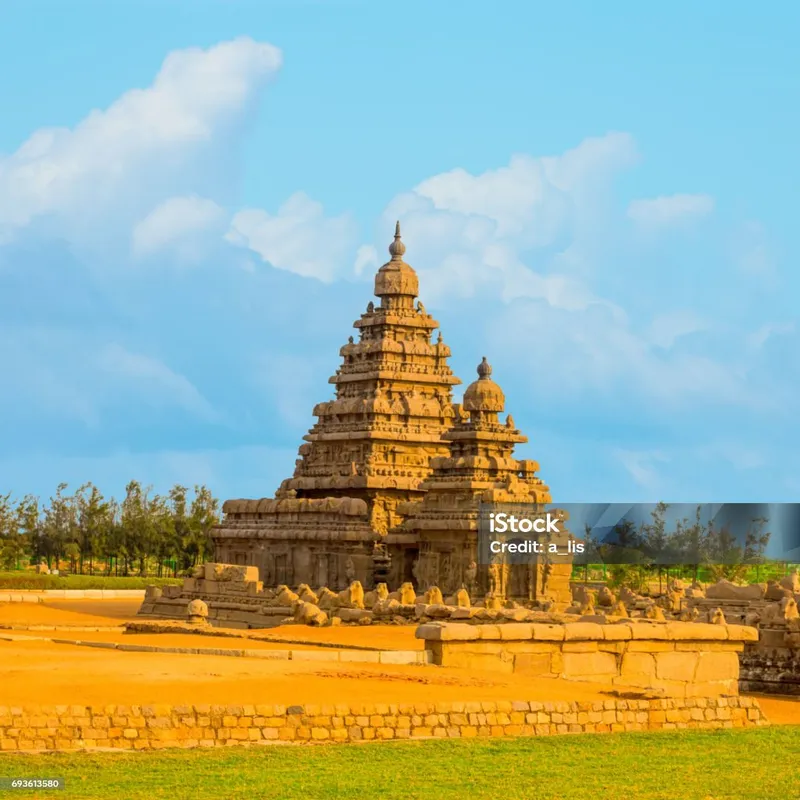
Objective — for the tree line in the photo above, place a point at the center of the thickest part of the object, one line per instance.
(92, 534)
(637, 553)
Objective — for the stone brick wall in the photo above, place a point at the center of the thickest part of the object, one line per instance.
(151, 727)
(679, 659)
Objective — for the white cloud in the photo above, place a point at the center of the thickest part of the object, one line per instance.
(666, 329)
(366, 259)
(595, 352)
(149, 145)
(475, 230)
(182, 225)
(299, 238)
(527, 235)
(532, 198)
(662, 212)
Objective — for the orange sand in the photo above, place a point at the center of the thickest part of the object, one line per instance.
(38, 672)
(70, 612)
(163, 639)
(117, 611)
(780, 710)
(46, 673)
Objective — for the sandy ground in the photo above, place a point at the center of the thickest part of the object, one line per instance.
(780, 710)
(115, 612)
(70, 612)
(39, 672)
(164, 639)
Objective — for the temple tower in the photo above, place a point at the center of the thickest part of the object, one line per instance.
(369, 451)
(480, 468)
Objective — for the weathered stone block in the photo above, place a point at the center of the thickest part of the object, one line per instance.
(638, 666)
(676, 666)
(533, 664)
(717, 667)
(582, 631)
(543, 632)
(583, 665)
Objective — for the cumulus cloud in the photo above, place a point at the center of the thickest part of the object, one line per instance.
(475, 229)
(666, 211)
(523, 238)
(118, 164)
(299, 238)
(182, 226)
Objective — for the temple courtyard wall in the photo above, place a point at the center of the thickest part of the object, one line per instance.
(77, 727)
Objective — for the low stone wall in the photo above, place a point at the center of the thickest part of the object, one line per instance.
(40, 728)
(676, 659)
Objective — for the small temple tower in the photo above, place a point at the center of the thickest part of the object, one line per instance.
(480, 468)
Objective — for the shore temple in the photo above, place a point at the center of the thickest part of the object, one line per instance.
(390, 477)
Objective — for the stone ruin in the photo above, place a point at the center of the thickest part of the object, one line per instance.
(770, 664)
(232, 596)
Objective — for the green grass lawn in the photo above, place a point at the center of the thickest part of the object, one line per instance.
(690, 765)
(19, 581)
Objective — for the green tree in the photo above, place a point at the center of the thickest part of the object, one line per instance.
(203, 516)
(29, 524)
(59, 527)
(94, 521)
(138, 530)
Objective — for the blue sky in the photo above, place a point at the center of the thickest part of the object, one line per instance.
(194, 198)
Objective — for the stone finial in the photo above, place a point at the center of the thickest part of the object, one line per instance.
(484, 395)
(397, 248)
